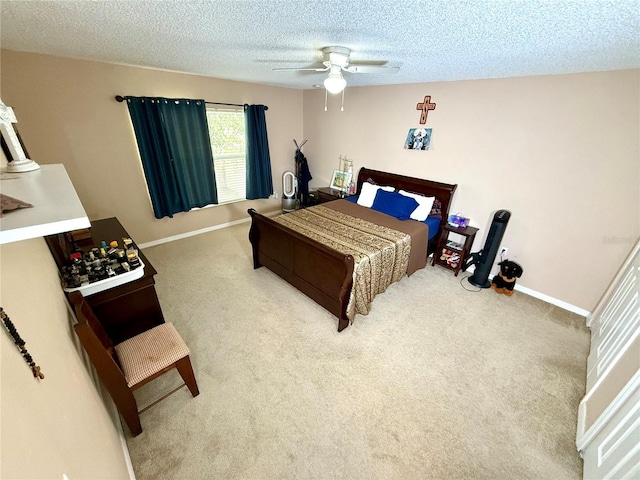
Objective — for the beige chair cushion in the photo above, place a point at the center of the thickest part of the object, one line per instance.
(149, 352)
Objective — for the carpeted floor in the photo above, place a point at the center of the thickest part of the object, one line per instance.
(437, 382)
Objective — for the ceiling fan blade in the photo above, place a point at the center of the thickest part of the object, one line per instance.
(371, 69)
(323, 69)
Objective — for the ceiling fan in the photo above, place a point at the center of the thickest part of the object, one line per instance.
(335, 61)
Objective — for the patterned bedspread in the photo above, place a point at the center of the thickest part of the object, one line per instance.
(381, 254)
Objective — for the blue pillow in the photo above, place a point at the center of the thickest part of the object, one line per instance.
(394, 204)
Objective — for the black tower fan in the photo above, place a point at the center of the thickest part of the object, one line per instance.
(483, 260)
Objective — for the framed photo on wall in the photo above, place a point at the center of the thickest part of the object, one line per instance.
(418, 139)
(340, 180)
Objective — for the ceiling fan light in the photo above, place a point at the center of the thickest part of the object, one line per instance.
(335, 83)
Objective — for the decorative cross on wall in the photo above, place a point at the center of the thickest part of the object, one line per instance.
(425, 107)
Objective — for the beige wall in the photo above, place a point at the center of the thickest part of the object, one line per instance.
(58, 425)
(560, 152)
(67, 114)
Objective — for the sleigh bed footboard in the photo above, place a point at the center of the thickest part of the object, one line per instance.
(323, 274)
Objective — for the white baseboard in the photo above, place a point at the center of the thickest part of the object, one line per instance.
(544, 298)
(153, 243)
(553, 301)
(125, 448)
(528, 291)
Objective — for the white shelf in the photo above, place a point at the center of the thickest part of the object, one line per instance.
(56, 206)
(107, 283)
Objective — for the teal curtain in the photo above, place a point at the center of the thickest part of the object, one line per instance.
(259, 178)
(175, 148)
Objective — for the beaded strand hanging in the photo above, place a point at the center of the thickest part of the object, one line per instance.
(20, 344)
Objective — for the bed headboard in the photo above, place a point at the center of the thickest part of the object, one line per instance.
(442, 191)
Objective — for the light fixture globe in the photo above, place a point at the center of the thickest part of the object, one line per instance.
(335, 83)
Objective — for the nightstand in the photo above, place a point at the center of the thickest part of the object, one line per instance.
(326, 194)
(450, 253)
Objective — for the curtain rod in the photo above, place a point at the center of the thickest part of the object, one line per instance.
(120, 98)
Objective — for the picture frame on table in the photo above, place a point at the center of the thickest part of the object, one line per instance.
(340, 180)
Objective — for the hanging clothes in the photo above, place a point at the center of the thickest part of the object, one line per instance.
(304, 176)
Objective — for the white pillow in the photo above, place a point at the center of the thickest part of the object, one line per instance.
(368, 193)
(423, 209)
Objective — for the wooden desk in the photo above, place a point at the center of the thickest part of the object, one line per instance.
(125, 310)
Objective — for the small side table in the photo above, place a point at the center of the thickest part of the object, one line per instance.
(326, 194)
(451, 254)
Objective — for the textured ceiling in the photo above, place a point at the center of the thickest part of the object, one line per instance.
(430, 40)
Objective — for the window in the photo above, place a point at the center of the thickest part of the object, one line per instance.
(183, 147)
(227, 133)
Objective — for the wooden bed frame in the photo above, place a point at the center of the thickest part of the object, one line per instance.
(322, 273)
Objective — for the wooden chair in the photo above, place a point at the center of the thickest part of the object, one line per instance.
(134, 362)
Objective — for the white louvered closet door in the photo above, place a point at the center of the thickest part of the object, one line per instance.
(609, 416)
